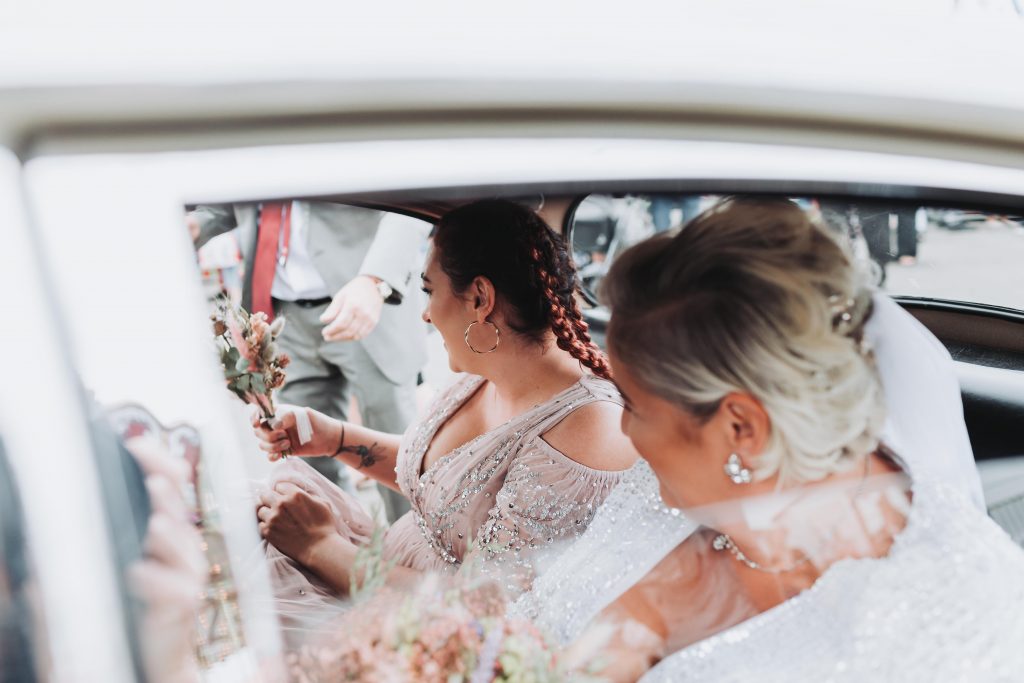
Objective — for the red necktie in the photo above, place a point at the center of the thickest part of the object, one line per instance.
(273, 216)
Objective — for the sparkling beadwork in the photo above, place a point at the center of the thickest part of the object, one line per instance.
(491, 489)
(577, 579)
(943, 605)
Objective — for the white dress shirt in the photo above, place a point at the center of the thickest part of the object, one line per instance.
(297, 278)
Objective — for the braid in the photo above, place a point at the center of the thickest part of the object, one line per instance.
(599, 362)
(566, 321)
(499, 240)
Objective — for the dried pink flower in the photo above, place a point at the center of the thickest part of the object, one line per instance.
(253, 367)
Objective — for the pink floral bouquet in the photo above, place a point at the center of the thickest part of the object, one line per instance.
(446, 631)
(253, 366)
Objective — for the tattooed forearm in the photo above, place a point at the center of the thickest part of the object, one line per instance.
(368, 455)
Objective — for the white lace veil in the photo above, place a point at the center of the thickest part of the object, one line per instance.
(633, 531)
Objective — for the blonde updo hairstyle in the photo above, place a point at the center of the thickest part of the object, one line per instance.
(754, 296)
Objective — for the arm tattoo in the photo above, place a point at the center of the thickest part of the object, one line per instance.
(368, 455)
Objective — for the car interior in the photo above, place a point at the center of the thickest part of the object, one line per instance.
(985, 340)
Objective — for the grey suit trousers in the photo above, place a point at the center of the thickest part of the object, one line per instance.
(325, 375)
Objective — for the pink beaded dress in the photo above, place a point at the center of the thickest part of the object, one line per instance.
(502, 496)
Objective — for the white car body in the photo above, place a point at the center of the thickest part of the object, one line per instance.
(109, 125)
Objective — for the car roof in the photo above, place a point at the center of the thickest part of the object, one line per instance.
(922, 68)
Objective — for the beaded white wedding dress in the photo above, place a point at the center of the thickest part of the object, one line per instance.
(631, 532)
(945, 603)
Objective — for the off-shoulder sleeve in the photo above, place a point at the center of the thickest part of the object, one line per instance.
(546, 498)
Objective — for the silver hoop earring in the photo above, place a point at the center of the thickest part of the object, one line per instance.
(735, 470)
(497, 337)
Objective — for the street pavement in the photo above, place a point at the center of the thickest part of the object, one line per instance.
(983, 265)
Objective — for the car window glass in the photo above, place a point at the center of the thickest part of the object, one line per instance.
(918, 251)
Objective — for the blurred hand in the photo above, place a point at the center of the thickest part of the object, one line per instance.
(281, 438)
(173, 572)
(193, 226)
(295, 520)
(354, 312)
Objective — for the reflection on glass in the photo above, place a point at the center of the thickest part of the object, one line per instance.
(220, 632)
(221, 267)
(19, 623)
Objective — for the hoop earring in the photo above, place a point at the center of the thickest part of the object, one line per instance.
(497, 337)
(735, 470)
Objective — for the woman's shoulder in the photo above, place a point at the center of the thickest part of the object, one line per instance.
(601, 389)
(590, 434)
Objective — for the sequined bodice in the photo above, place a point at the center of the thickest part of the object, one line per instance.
(507, 490)
(630, 533)
(946, 603)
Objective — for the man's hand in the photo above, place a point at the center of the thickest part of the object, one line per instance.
(354, 312)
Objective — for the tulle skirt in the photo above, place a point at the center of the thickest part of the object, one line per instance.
(302, 601)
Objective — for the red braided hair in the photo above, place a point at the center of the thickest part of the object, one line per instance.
(500, 239)
(571, 331)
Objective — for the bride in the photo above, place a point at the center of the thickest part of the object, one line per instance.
(813, 435)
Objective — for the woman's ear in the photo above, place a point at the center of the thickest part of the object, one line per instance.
(483, 297)
(748, 424)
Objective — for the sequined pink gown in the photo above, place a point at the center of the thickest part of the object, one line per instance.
(507, 492)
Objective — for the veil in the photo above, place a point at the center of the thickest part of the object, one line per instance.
(633, 530)
(925, 416)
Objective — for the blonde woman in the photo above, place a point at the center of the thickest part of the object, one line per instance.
(816, 434)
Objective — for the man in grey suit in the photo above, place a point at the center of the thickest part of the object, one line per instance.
(345, 278)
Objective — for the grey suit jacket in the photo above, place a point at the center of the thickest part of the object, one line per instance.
(346, 241)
